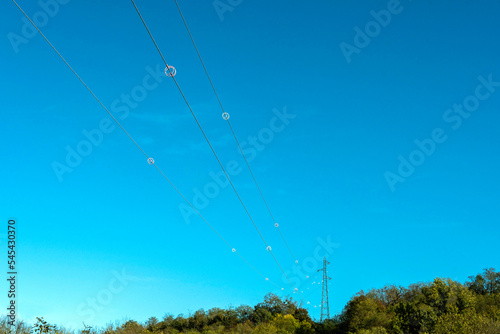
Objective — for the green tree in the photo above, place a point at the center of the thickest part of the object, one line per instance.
(374, 330)
(244, 328)
(363, 312)
(244, 313)
(486, 283)
(329, 326)
(87, 329)
(488, 306)
(42, 327)
(273, 304)
(389, 295)
(261, 315)
(285, 324)
(412, 318)
(198, 320)
(265, 328)
(151, 324)
(20, 327)
(466, 323)
(305, 327)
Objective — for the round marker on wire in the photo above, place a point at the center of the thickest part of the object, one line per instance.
(170, 71)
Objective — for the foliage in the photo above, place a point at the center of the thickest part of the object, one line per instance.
(20, 327)
(42, 327)
(440, 307)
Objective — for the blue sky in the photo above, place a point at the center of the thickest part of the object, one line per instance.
(112, 231)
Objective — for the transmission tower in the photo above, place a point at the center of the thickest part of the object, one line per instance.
(325, 307)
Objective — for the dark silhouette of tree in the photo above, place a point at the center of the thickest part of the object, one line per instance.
(486, 283)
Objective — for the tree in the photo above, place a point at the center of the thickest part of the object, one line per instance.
(42, 327)
(244, 313)
(363, 312)
(306, 327)
(389, 295)
(198, 320)
(261, 315)
(130, 327)
(20, 327)
(180, 323)
(374, 330)
(488, 306)
(215, 315)
(410, 317)
(466, 323)
(244, 328)
(87, 329)
(273, 304)
(302, 314)
(439, 307)
(329, 326)
(285, 324)
(265, 328)
(151, 323)
(487, 283)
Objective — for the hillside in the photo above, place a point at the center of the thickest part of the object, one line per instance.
(441, 307)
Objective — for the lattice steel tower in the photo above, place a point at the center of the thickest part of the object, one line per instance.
(325, 307)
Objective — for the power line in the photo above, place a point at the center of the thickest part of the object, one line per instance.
(150, 160)
(234, 135)
(268, 248)
(325, 305)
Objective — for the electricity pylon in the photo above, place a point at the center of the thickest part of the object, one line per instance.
(325, 307)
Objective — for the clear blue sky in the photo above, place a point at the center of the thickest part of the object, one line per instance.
(326, 174)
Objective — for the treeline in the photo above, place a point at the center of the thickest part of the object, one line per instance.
(440, 307)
